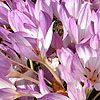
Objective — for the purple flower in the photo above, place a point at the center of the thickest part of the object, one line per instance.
(80, 30)
(87, 65)
(74, 60)
(27, 24)
(65, 56)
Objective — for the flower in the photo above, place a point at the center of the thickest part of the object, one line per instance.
(86, 64)
(68, 65)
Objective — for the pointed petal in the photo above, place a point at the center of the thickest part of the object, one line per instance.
(48, 37)
(57, 42)
(95, 21)
(4, 33)
(25, 51)
(45, 22)
(73, 31)
(94, 41)
(73, 7)
(6, 83)
(83, 20)
(43, 5)
(97, 86)
(42, 85)
(5, 65)
(87, 51)
(9, 93)
(64, 17)
(65, 56)
(15, 17)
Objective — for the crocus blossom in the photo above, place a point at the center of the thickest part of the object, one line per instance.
(88, 66)
(39, 63)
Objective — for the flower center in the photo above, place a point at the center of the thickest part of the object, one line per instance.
(91, 76)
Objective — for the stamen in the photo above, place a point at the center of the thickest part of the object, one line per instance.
(94, 80)
(92, 76)
(85, 76)
(97, 75)
(94, 71)
(36, 51)
(88, 69)
(90, 79)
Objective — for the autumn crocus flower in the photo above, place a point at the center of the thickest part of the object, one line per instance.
(81, 29)
(87, 65)
(77, 28)
(36, 49)
(71, 61)
(29, 16)
(40, 31)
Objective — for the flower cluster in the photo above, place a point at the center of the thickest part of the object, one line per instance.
(36, 63)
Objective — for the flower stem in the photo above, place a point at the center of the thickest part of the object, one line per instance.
(21, 95)
(88, 92)
(31, 64)
(96, 96)
(12, 61)
(15, 74)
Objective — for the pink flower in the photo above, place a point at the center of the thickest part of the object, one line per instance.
(87, 65)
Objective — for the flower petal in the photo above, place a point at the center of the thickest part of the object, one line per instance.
(54, 96)
(42, 85)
